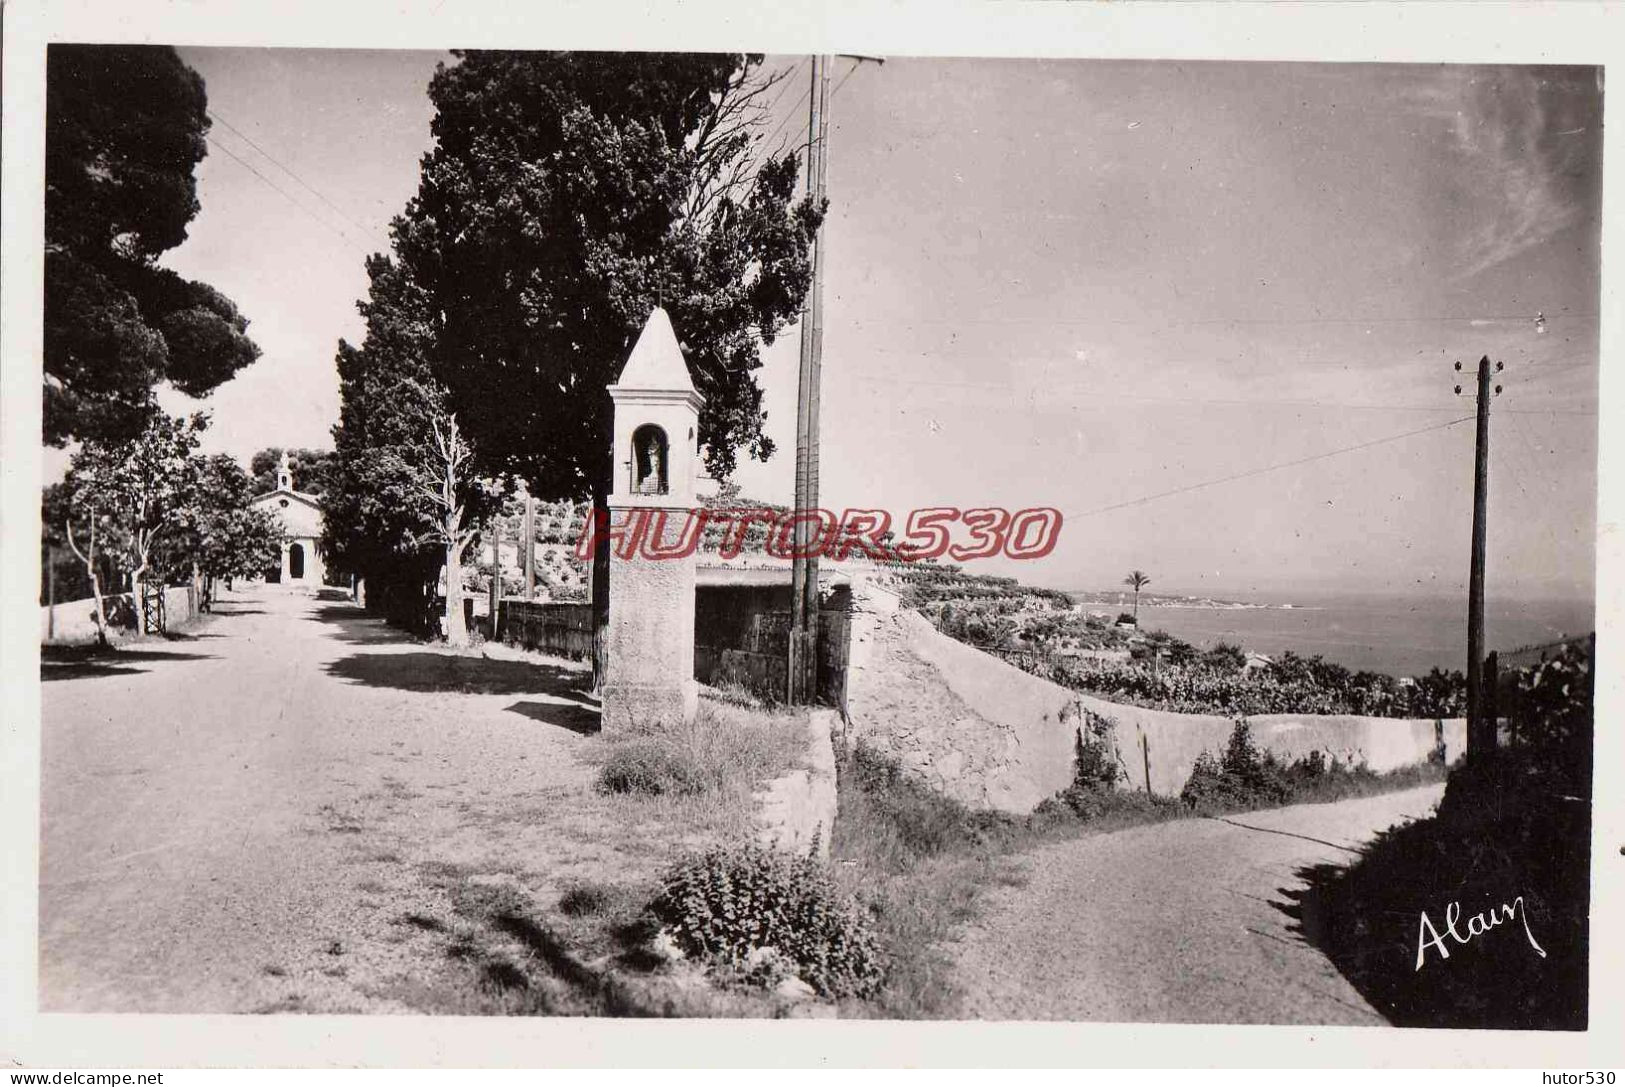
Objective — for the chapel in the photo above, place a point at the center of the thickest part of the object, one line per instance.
(301, 517)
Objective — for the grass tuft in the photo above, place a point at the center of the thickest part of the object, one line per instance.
(716, 753)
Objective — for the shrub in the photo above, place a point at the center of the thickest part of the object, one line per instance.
(1209, 788)
(652, 769)
(586, 899)
(1095, 770)
(1225, 657)
(724, 904)
(1096, 774)
(1094, 753)
(1243, 777)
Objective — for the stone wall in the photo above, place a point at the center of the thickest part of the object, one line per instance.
(797, 809)
(742, 637)
(993, 736)
(75, 620)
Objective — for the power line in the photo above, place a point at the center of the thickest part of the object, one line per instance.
(1272, 468)
(855, 63)
(276, 162)
(793, 111)
(1123, 398)
(285, 194)
(1163, 322)
(1511, 462)
(789, 81)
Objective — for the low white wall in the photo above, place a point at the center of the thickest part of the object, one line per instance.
(76, 619)
(993, 736)
(1176, 739)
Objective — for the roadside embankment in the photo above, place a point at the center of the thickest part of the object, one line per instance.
(992, 736)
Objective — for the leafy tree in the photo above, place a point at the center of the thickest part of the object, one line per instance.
(143, 489)
(442, 489)
(1138, 579)
(369, 524)
(311, 469)
(1225, 657)
(85, 531)
(566, 196)
(1440, 694)
(125, 128)
(220, 534)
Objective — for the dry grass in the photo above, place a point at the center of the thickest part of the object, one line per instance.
(575, 940)
(921, 861)
(492, 950)
(918, 860)
(702, 775)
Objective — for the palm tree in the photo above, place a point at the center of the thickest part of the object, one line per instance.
(1139, 579)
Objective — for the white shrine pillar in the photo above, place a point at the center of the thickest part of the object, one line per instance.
(649, 678)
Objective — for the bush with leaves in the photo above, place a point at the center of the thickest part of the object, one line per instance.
(1247, 776)
(1208, 684)
(1095, 770)
(723, 904)
(1244, 776)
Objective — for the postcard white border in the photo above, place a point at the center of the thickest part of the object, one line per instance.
(1506, 33)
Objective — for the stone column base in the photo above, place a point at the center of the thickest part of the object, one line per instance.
(629, 706)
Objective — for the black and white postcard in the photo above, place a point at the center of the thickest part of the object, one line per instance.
(1070, 513)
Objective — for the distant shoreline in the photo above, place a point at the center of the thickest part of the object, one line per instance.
(1217, 606)
(1121, 600)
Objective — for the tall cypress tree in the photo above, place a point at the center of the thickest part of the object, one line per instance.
(568, 194)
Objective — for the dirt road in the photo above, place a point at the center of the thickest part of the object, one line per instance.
(1185, 922)
(240, 818)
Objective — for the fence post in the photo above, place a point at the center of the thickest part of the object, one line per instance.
(50, 594)
(495, 604)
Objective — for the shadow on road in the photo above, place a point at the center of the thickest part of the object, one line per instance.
(1284, 834)
(426, 671)
(1366, 918)
(89, 662)
(352, 624)
(582, 719)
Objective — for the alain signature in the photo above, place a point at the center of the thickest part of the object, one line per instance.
(1477, 925)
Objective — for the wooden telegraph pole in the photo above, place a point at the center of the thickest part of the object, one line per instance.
(802, 680)
(494, 605)
(1481, 724)
(530, 546)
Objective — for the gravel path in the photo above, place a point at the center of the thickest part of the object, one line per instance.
(1181, 922)
(239, 819)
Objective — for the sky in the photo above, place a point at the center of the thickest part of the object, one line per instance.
(1078, 284)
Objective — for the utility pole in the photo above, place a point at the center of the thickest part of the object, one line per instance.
(803, 667)
(802, 681)
(530, 546)
(1481, 725)
(494, 605)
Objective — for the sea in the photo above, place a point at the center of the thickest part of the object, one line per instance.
(1398, 635)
